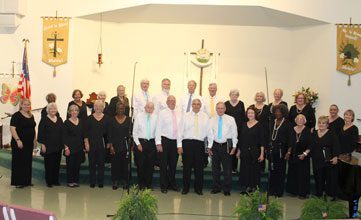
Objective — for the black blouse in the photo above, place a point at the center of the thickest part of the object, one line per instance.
(95, 131)
(307, 111)
(271, 113)
(113, 104)
(336, 125)
(323, 149)
(25, 128)
(237, 112)
(299, 142)
(83, 112)
(73, 136)
(119, 134)
(251, 140)
(262, 117)
(50, 134)
(348, 139)
(279, 140)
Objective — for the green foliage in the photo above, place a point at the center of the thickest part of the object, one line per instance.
(138, 205)
(248, 207)
(316, 208)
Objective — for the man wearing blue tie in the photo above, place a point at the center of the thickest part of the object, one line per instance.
(224, 132)
(143, 135)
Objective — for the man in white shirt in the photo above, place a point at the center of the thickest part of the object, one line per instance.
(166, 137)
(186, 101)
(195, 131)
(160, 100)
(224, 133)
(140, 99)
(145, 150)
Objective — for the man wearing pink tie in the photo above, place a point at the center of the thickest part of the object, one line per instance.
(166, 138)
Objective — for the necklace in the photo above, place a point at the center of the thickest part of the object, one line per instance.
(275, 129)
(298, 110)
(298, 136)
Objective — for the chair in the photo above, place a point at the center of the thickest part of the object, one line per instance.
(23, 213)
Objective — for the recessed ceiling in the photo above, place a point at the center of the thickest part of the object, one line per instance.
(206, 14)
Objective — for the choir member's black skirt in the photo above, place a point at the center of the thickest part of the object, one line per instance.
(298, 177)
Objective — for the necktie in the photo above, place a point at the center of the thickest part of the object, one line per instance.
(175, 128)
(220, 125)
(146, 96)
(196, 126)
(212, 106)
(189, 103)
(148, 128)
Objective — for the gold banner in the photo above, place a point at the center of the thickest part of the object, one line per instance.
(348, 49)
(55, 40)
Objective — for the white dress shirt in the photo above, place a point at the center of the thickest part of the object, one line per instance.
(207, 104)
(183, 102)
(229, 130)
(140, 126)
(139, 102)
(189, 128)
(165, 125)
(160, 101)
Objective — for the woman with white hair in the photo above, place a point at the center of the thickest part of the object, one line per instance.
(235, 108)
(96, 129)
(102, 96)
(50, 137)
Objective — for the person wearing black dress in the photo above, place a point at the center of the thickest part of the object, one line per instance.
(235, 108)
(262, 116)
(96, 129)
(251, 151)
(302, 107)
(102, 96)
(121, 97)
(325, 149)
(279, 150)
(277, 94)
(51, 97)
(83, 111)
(23, 141)
(119, 137)
(298, 176)
(73, 138)
(348, 176)
(50, 132)
(335, 122)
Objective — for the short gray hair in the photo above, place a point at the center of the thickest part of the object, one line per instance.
(51, 105)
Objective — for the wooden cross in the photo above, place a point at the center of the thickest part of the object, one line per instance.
(201, 74)
(55, 39)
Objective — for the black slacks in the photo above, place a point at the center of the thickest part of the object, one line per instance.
(119, 169)
(145, 162)
(193, 157)
(52, 166)
(96, 165)
(221, 157)
(73, 162)
(326, 180)
(277, 176)
(168, 163)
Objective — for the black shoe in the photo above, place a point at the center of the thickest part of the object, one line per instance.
(227, 193)
(215, 191)
(100, 185)
(49, 185)
(19, 186)
(92, 185)
(164, 190)
(185, 192)
(174, 188)
(115, 187)
(199, 192)
(125, 187)
(56, 184)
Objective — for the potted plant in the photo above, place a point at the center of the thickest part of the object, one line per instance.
(322, 208)
(137, 205)
(254, 206)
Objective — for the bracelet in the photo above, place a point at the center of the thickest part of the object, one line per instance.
(304, 153)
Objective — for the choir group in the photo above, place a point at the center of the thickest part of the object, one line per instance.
(161, 128)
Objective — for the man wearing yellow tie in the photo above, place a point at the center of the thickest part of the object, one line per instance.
(195, 129)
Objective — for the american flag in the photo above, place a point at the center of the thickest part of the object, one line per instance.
(24, 82)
